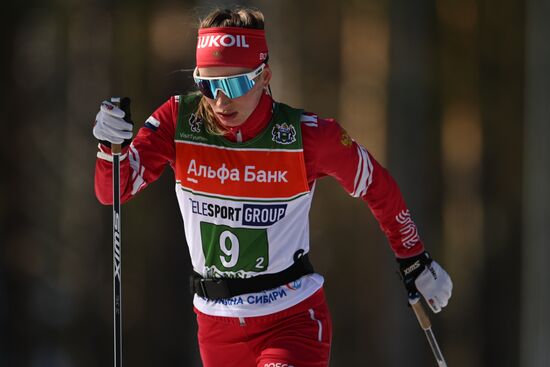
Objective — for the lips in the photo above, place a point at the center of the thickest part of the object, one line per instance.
(227, 117)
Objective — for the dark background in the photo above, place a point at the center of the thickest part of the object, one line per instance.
(451, 96)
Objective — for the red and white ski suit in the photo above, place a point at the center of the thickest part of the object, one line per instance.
(328, 151)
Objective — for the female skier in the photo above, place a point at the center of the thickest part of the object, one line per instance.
(245, 168)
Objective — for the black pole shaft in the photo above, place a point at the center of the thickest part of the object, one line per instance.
(117, 262)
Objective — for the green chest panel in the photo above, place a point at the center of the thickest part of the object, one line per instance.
(282, 132)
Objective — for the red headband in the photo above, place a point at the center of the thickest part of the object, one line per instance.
(231, 46)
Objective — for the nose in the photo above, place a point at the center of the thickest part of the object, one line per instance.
(222, 100)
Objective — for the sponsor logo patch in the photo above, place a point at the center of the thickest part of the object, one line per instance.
(295, 285)
(283, 133)
(345, 139)
(263, 215)
(408, 229)
(195, 123)
(225, 40)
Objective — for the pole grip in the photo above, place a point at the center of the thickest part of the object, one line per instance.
(421, 315)
(116, 148)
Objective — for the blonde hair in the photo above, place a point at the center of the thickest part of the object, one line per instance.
(234, 17)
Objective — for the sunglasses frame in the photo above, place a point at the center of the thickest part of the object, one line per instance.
(223, 84)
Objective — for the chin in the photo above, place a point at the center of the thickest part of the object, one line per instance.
(231, 123)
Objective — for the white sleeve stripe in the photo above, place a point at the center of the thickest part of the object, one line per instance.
(361, 186)
(310, 124)
(108, 157)
(153, 121)
(358, 173)
(137, 170)
(368, 169)
(101, 147)
(101, 154)
(308, 118)
(369, 177)
(364, 171)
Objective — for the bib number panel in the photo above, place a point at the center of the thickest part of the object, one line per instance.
(234, 252)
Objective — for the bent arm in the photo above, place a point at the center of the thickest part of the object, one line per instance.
(335, 154)
(144, 160)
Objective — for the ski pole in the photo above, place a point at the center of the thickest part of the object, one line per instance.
(117, 258)
(426, 325)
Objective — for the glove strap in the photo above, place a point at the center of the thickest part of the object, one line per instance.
(410, 268)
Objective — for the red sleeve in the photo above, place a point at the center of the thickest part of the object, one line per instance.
(144, 160)
(329, 151)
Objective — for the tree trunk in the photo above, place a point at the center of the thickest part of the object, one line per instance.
(535, 297)
(413, 151)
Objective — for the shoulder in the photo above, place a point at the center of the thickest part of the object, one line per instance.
(189, 98)
(165, 116)
(315, 127)
(174, 102)
(329, 149)
(310, 120)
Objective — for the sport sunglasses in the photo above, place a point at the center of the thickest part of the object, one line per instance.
(233, 86)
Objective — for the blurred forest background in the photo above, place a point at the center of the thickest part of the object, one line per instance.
(452, 96)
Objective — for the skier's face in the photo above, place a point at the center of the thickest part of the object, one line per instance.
(233, 112)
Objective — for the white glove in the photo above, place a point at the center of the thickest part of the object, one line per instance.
(110, 124)
(423, 275)
(435, 285)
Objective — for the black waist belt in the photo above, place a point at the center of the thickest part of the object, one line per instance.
(220, 288)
